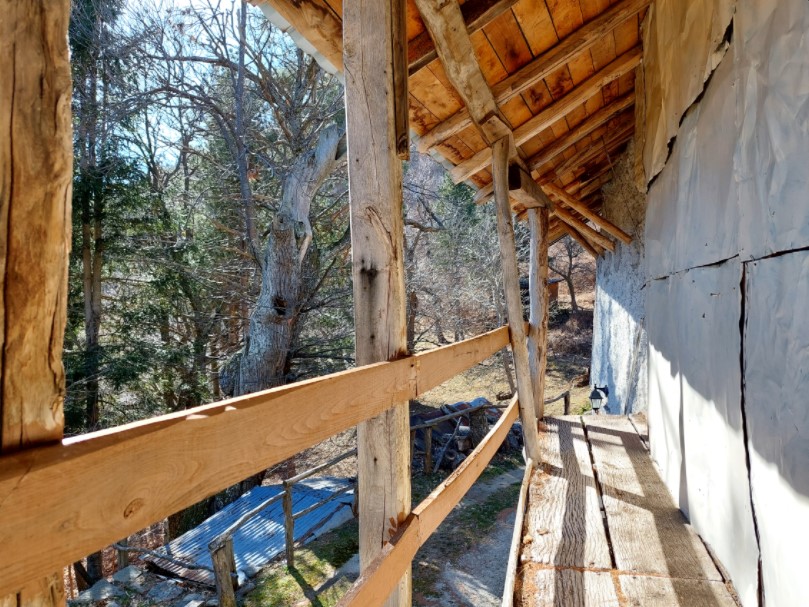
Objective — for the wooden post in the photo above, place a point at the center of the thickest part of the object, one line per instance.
(123, 555)
(428, 450)
(224, 569)
(567, 402)
(372, 34)
(36, 166)
(511, 286)
(289, 526)
(538, 291)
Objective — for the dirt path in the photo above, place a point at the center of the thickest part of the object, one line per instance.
(464, 563)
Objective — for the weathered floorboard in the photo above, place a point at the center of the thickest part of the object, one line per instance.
(643, 591)
(543, 587)
(564, 515)
(649, 534)
(636, 550)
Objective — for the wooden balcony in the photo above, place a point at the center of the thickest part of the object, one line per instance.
(602, 529)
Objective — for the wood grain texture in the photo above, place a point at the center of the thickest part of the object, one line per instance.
(649, 534)
(517, 537)
(36, 165)
(511, 286)
(378, 578)
(665, 592)
(477, 14)
(564, 515)
(151, 469)
(316, 21)
(538, 304)
(542, 587)
(541, 67)
(555, 112)
(375, 202)
(454, 47)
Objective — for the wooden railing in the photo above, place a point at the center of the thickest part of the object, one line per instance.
(61, 502)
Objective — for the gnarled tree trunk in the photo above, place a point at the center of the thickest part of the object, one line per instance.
(275, 317)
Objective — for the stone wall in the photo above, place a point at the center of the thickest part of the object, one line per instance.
(620, 345)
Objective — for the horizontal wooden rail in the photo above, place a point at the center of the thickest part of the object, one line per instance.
(516, 537)
(61, 502)
(376, 582)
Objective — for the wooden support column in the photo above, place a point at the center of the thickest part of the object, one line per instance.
(511, 286)
(538, 292)
(375, 195)
(36, 165)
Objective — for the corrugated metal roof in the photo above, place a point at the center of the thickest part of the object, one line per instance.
(261, 539)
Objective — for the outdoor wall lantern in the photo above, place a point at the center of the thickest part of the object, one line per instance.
(596, 396)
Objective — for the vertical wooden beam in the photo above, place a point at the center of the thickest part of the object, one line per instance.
(538, 292)
(511, 286)
(36, 165)
(375, 196)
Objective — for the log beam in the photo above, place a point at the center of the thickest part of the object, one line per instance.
(591, 235)
(477, 14)
(576, 205)
(375, 199)
(524, 190)
(317, 22)
(538, 296)
(511, 286)
(554, 112)
(36, 165)
(445, 23)
(592, 248)
(539, 68)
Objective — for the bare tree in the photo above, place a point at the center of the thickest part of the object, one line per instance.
(565, 260)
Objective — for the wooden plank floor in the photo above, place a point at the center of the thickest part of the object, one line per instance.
(602, 529)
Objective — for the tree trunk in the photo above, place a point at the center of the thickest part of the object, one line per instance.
(273, 321)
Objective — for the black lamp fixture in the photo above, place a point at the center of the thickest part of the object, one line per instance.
(596, 396)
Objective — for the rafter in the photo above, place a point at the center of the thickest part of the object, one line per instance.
(454, 47)
(477, 14)
(540, 67)
(606, 144)
(597, 220)
(554, 112)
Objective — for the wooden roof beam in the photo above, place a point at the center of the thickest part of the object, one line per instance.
(556, 149)
(540, 67)
(454, 47)
(581, 130)
(317, 22)
(554, 112)
(589, 154)
(597, 220)
(477, 14)
(591, 248)
(524, 190)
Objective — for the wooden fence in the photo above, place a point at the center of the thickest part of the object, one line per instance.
(61, 502)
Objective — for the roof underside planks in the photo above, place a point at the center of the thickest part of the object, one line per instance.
(560, 75)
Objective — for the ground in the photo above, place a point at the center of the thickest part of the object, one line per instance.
(462, 564)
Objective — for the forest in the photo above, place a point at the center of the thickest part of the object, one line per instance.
(211, 240)
(211, 237)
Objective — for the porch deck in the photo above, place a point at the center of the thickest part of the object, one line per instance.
(602, 529)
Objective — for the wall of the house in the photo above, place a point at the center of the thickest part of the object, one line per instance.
(727, 281)
(619, 357)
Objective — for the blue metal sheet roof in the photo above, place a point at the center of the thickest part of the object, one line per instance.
(261, 539)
